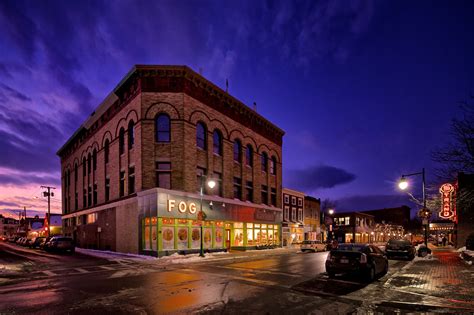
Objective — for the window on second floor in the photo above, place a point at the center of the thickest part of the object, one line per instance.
(217, 142)
(121, 141)
(89, 161)
(94, 160)
(163, 174)
(264, 158)
(122, 184)
(84, 167)
(273, 165)
(162, 128)
(201, 136)
(249, 155)
(106, 151)
(237, 151)
(131, 180)
(131, 134)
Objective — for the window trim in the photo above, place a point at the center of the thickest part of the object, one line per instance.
(203, 125)
(158, 131)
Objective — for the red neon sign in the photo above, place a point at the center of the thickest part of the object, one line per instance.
(447, 210)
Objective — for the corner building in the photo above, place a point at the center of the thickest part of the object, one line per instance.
(133, 172)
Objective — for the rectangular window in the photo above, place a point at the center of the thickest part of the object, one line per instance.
(237, 188)
(200, 179)
(122, 184)
(300, 202)
(358, 221)
(95, 194)
(89, 196)
(286, 213)
(76, 201)
(264, 194)
(84, 198)
(249, 191)
(300, 214)
(293, 214)
(163, 174)
(347, 220)
(91, 218)
(286, 199)
(293, 200)
(273, 197)
(107, 189)
(131, 180)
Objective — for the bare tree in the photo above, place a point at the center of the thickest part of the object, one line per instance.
(458, 155)
(327, 204)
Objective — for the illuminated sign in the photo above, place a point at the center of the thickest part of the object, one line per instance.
(182, 206)
(447, 210)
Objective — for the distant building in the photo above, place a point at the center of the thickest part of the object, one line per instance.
(8, 226)
(393, 216)
(293, 209)
(354, 227)
(464, 207)
(312, 221)
(55, 223)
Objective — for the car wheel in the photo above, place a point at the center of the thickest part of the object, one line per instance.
(411, 257)
(385, 269)
(370, 274)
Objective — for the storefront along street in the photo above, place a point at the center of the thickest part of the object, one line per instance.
(33, 282)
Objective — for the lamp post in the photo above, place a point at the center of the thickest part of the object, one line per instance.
(403, 184)
(211, 183)
(331, 212)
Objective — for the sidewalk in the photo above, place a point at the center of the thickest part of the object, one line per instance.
(444, 275)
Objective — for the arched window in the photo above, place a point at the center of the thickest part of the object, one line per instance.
(131, 134)
(249, 155)
(75, 172)
(94, 159)
(106, 151)
(121, 140)
(273, 164)
(264, 159)
(217, 142)
(237, 151)
(83, 166)
(163, 128)
(89, 160)
(201, 136)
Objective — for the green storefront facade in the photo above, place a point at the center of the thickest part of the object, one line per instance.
(169, 223)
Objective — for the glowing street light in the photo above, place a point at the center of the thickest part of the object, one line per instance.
(403, 184)
(331, 211)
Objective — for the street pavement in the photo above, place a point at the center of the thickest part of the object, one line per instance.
(281, 281)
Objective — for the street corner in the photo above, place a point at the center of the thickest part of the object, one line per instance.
(322, 285)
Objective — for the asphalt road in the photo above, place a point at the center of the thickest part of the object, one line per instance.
(278, 281)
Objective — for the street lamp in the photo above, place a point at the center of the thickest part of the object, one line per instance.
(331, 212)
(403, 184)
(211, 184)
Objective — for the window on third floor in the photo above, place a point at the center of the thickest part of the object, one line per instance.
(201, 136)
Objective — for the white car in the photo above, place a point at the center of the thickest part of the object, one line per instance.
(314, 246)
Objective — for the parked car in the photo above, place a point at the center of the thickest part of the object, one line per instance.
(44, 245)
(61, 244)
(400, 248)
(19, 240)
(313, 246)
(364, 260)
(36, 242)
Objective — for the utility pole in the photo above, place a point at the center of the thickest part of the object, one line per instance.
(48, 194)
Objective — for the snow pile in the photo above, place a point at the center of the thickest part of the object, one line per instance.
(427, 257)
(106, 254)
(461, 249)
(178, 259)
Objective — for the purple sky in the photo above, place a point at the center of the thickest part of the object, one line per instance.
(364, 90)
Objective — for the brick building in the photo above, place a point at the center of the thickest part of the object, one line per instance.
(354, 227)
(8, 226)
(133, 172)
(293, 211)
(312, 219)
(395, 216)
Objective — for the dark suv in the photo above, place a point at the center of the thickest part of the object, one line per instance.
(400, 248)
(61, 244)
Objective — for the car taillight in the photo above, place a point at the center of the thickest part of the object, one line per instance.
(330, 257)
(363, 259)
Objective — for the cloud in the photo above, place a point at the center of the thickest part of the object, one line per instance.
(8, 204)
(315, 177)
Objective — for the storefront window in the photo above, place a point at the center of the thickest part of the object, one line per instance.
(168, 237)
(250, 240)
(238, 234)
(207, 241)
(183, 237)
(147, 244)
(270, 237)
(196, 237)
(219, 237)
